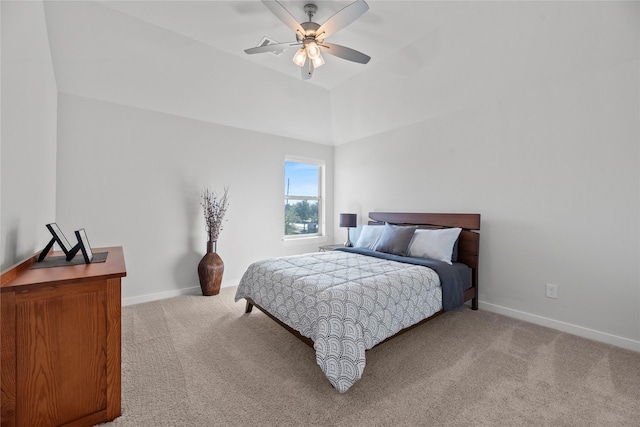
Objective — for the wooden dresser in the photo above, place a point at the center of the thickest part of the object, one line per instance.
(60, 343)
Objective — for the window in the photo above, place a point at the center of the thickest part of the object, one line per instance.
(303, 190)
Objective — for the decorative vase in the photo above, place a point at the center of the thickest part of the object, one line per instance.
(210, 270)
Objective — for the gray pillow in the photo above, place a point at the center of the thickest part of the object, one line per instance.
(395, 239)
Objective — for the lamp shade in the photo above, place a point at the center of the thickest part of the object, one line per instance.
(313, 51)
(318, 61)
(300, 57)
(348, 220)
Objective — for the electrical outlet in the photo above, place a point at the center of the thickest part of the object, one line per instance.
(552, 291)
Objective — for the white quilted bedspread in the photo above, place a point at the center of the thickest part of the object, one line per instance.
(345, 302)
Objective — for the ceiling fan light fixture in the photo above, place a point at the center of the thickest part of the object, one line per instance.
(312, 49)
(318, 62)
(300, 57)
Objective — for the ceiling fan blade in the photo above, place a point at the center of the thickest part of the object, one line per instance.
(342, 18)
(284, 15)
(307, 71)
(273, 47)
(345, 53)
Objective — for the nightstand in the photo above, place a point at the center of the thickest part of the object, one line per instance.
(326, 248)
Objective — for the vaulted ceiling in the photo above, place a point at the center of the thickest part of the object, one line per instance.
(187, 58)
(232, 26)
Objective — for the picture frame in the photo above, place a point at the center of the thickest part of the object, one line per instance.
(85, 246)
(59, 238)
(82, 246)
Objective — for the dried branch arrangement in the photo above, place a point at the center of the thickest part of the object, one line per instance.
(215, 208)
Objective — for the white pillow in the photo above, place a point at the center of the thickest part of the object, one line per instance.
(369, 236)
(434, 244)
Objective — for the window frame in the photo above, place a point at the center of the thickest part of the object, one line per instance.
(321, 164)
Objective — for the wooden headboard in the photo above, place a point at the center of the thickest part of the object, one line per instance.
(468, 243)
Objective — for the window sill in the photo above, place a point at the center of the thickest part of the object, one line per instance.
(299, 241)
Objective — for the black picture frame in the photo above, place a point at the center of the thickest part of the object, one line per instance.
(82, 246)
(59, 238)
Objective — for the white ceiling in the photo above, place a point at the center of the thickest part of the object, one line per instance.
(232, 26)
(186, 58)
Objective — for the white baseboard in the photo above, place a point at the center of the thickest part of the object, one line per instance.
(563, 326)
(160, 295)
(195, 290)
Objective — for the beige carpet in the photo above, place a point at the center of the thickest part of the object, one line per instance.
(200, 361)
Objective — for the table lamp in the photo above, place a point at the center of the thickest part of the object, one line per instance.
(348, 220)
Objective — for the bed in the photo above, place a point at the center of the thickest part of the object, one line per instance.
(404, 269)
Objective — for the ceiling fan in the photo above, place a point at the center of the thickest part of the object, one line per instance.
(310, 36)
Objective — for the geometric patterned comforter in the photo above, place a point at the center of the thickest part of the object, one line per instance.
(345, 302)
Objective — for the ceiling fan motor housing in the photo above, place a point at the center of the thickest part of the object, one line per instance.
(309, 29)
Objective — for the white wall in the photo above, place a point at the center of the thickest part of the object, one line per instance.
(133, 177)
(528, 113)
(28, 150)
(147, 117)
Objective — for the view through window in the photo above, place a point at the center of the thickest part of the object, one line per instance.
(302, 198)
